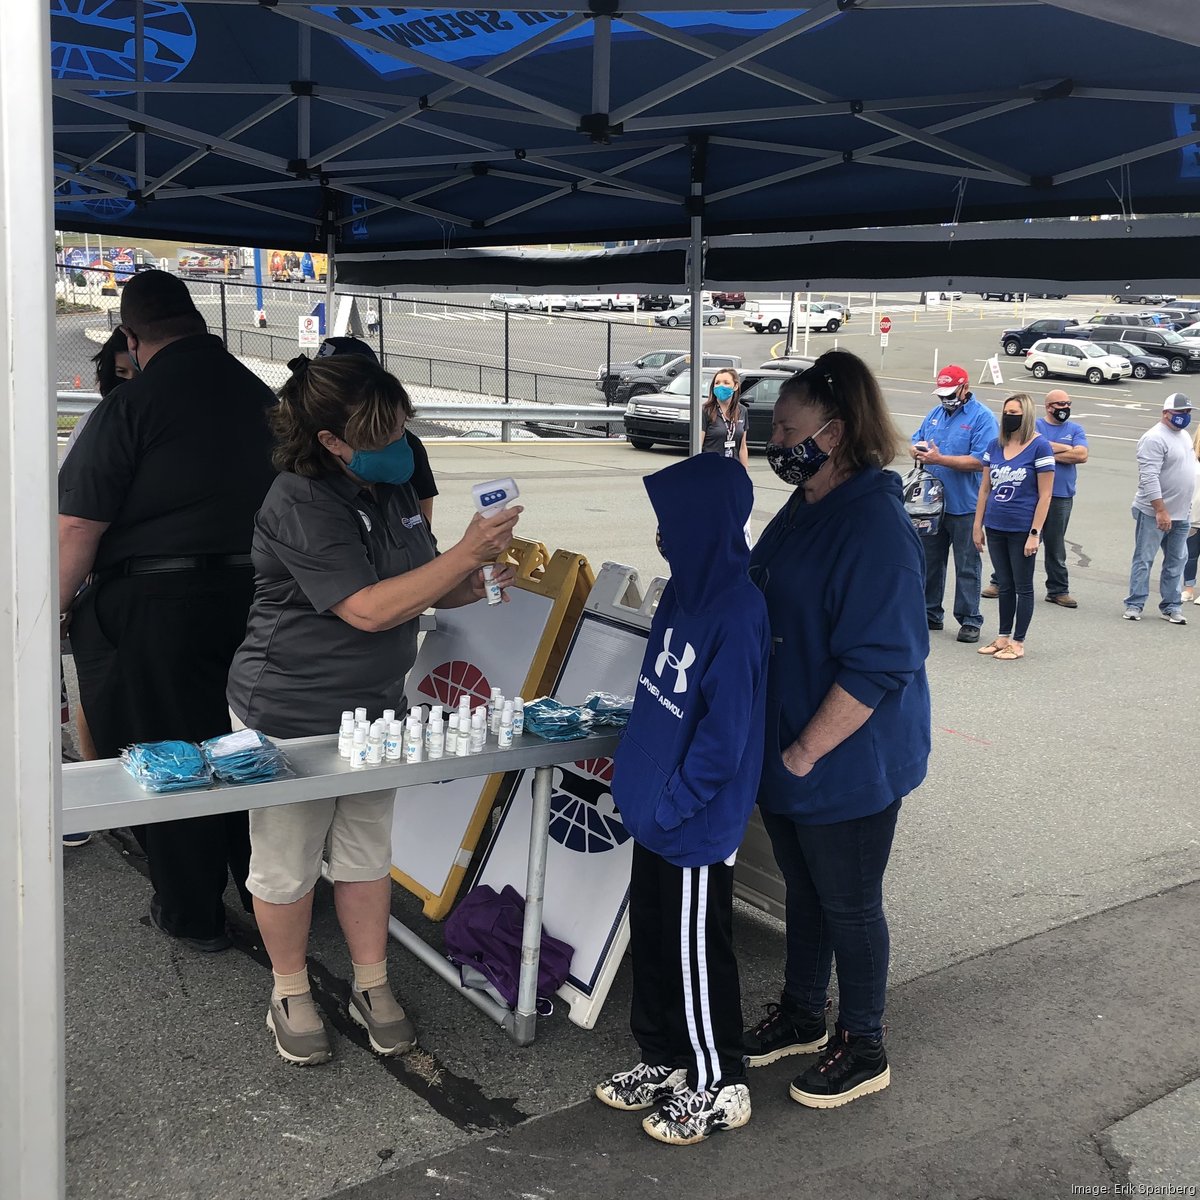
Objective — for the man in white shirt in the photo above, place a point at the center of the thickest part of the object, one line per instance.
(1162, 510)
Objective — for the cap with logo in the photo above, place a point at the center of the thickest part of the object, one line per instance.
(950, 378)
(346, 345)
(1177, 402)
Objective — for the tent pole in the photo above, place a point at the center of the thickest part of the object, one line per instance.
(31, 940)
(329, 245)
(695, 281)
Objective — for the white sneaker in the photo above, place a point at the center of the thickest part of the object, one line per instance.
(689, 1117)
(1132, 614)
(642, 1087)
(1174, 616)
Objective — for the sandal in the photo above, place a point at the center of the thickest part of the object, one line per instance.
(994, 647)
(1010, 652)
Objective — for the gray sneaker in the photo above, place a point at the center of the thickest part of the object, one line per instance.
(300, 1035)
(382, 1016)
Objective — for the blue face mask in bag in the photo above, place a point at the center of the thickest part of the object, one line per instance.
(392, 464)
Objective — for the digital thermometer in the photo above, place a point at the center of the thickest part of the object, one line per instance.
(495, 495)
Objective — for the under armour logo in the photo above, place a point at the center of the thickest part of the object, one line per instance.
(680, 663)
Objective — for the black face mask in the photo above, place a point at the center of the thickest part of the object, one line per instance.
(1060, 414)
(951, 404)
(1010, 422)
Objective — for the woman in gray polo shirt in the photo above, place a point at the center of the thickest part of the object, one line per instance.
(344, 566)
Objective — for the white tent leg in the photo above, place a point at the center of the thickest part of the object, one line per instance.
(31, 982)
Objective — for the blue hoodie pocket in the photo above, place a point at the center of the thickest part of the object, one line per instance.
(638, 785)
(777, 781)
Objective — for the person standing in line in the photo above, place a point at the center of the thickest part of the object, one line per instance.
(1014, 497)
(1162, 510)
(1070, 445)
(685, 778)
(949, 444)
(725, 418)
(156, 503)
(848, 717)
(1193, 542)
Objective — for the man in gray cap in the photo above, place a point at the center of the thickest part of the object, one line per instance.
(1162, 510)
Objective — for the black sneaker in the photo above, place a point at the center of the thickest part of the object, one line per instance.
(969, 633)
(853, 1067)
(781, 1033)
(935, 625)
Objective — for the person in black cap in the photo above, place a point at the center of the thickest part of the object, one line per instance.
(422, 480)
(156, 503)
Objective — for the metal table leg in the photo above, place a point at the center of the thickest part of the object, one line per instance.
(523, 1027)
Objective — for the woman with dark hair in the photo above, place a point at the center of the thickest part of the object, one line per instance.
(848, 718)
(113, 367)
(1014, 498)
(725, 418)
(344, 567)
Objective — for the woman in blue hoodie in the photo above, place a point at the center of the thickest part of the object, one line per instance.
(685, 780)
(848, 720)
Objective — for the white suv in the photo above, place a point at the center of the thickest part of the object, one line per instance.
(1078, 359)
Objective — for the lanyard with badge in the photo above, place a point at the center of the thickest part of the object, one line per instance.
(731, 436)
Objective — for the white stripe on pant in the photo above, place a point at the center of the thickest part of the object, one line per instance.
(693, 918)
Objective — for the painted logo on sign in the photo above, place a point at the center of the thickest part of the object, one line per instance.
(458, 35)
(95, 39)
(583, 816)
(445, 684)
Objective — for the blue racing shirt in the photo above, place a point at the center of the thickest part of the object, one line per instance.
(1070, 434)
(968, 431)
(1013, 499)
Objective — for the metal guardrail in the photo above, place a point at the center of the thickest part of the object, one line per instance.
(76, 404)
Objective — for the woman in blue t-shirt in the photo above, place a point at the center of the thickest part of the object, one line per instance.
(1014, 497)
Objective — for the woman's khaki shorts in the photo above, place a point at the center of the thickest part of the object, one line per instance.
(288, 842)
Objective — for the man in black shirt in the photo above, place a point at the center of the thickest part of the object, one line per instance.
(157, 504)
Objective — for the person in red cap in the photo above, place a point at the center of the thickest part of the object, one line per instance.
(950, 444)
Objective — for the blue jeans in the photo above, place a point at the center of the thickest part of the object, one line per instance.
(1014, 578)
(834, 878)
(955, 534)
(1193, 558)
(1147, 540)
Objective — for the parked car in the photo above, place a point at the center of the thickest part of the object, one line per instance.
(941, 296)
(642, 381)
(1150, 301)
(550, 303)
(585, 303)
(1077, 359)
(729, 299)
(1145, 365)
(1172, 318)
(1190, 331)
(649, 302)
(662, 417)
(509, 301)
(1182, 353)
(1116, 318)
(682, 315)
(790, 365)
(1022, 295)
(772, 316)
(616, 300)
(677, 300)
(1017, 341)
(608, 376)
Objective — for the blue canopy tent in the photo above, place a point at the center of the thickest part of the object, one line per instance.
(362, 128)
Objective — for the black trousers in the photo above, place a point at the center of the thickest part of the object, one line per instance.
(152, 653)
(687, 1000)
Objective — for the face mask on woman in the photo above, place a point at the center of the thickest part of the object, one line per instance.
(798, 464)
(1010, 423)
(723, 392)
(392, 464)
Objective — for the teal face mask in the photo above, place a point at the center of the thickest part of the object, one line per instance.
(723, 392)
(392, 464)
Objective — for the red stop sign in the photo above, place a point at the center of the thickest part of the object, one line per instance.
(885, 324)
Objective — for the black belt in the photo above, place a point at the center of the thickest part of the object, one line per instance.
(154, 565)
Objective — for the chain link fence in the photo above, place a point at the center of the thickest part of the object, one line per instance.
(450, 352)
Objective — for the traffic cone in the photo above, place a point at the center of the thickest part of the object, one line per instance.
(78, 383)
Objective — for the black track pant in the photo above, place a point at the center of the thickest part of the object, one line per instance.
(153, 653)
(687, 1002)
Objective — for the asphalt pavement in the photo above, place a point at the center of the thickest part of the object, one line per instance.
(1042, 897)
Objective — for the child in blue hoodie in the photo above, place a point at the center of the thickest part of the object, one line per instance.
(685, 780)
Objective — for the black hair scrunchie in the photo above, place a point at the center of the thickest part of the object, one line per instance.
(299, 365)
